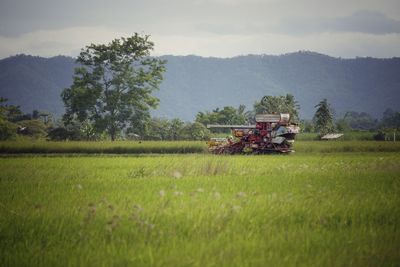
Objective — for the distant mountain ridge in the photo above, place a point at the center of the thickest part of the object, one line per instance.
(194, 83)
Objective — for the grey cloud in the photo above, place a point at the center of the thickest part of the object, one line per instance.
(18, 17)
(203, 26)
(370, 22)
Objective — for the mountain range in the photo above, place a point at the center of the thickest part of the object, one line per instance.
(192, 83)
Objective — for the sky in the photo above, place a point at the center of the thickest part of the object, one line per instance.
(210, 28)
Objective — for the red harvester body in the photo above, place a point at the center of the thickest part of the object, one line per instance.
(271, 133)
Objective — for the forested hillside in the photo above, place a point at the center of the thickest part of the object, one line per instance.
(195, 83)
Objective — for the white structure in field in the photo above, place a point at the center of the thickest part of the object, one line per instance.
(331, 136)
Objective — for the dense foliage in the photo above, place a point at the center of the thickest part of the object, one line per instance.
(226, 115)
(8, 130)
(278, 104)
(357, 121)
(390, 119)
(113, 85)
(175, 129)
(14, 123)
(323, 118)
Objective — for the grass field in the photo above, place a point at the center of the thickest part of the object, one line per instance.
(305, 209)
(117, 147)
(178, 147)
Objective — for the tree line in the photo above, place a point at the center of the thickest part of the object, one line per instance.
(14, 123)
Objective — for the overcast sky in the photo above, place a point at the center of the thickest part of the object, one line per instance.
(219, 28)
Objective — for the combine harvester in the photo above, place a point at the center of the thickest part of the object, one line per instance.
(272, 133)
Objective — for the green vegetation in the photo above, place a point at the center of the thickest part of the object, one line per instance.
(278, 104)
(323, 118)
(8, 130)
(330, 203)
(390, 119)
(40, 125)
(179, 147)
(345, 146)
(226, 115)
(116, 147)
(112, 86)
(356, 121)
(13, 122)
(175, 129)
(201, 210)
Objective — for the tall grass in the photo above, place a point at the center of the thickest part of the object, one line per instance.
(117, 147)
(180, 147)
(339, 209)
(345, 146)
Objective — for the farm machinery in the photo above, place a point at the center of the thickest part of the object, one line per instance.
(272, 133)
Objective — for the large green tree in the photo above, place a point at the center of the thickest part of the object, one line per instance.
(227, 115)
(278, 104)
(112, 87)
(323, 118)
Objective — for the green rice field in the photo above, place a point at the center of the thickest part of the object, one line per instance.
(178, 147)
(327, 204)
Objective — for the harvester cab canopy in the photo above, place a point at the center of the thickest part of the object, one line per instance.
(282, 118)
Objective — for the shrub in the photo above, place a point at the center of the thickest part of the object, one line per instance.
(380, 136)
(195, 131)
(32, 128)
(8, 130)
(59, 134)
